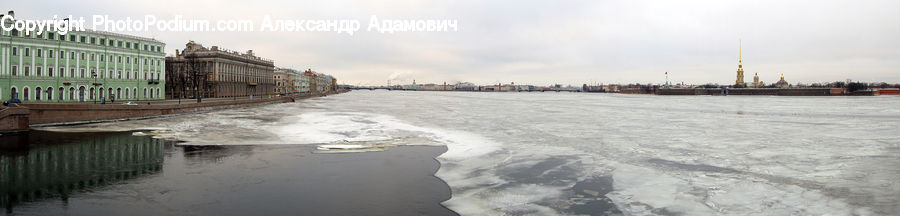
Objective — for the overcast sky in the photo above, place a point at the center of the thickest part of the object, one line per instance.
(547, 42)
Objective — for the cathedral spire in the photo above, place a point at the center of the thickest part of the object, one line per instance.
(740, 70)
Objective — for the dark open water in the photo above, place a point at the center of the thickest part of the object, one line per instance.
(115, 173)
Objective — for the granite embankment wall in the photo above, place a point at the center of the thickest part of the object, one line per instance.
(753, 91)
(13, 118)
(50, 114)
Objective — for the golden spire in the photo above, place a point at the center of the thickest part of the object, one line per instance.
(740, 49)
(740, 70)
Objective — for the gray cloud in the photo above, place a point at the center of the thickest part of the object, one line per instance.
(545, 42)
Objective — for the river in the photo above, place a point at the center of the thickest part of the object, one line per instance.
(579, 153)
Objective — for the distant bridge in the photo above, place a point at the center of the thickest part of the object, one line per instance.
(376, 88)
(372, 88)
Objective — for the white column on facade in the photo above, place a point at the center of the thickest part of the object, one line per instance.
(68, 66)
(106, 72)
(33, 70)
(87, 66)
(21, 68)
(97, 68)
(44, 69)
(3, 61)
(56, 64)
(78, 66)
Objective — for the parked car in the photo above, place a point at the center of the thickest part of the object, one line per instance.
(130, 103)
(11, 101)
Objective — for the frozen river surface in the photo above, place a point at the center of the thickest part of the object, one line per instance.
(577, 153)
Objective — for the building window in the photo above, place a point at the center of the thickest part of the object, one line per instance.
(14, 70)
(82, 39)
(127, 60)
(38, 71)
(82, 73)
(50, 72)
(120, 59)
(27, 71)
(27, 52)
(71, 72)
(92, 56)
(62, 93)
(102, 41)
(71, 55)
(50, 53)
(72, 38)
(37, 93)
(25, 94)
(82, 56)
(51, 36)
(102, 57)
(93, 40)
(40, 53)
(15, 51)
(12, 93)
(62, 54)
(49, 93)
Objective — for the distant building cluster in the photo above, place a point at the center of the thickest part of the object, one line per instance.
(94, 66)
(290, 81)
(214, 72)
(739, 83)
(467, 86)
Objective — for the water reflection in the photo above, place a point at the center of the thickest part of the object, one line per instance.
(39, 165)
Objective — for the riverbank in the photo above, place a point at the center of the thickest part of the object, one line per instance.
(49, 114)
(115, 173)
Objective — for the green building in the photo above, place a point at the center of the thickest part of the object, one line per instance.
(81, 66)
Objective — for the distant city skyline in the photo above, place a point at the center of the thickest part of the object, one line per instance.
(544, 43)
